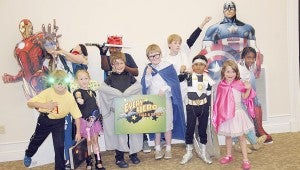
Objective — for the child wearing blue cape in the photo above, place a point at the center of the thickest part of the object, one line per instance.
(160, 78)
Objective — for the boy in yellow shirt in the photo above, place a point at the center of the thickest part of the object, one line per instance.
(53, 103)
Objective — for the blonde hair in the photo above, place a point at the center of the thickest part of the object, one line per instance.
(234, 66)
(117, 55)
(152, 49)
(82, 71)
(59, 75)
(174, 37)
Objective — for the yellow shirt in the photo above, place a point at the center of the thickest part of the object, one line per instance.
(66, 104)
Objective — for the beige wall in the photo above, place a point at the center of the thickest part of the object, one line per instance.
(142, 23)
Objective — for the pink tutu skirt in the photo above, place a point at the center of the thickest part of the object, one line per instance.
(95, 129)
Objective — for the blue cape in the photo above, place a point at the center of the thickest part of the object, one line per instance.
(170, 76)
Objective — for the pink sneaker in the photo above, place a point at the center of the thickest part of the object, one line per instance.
(246, 165)
(226, 159)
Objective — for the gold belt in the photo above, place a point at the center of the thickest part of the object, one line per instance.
(197, 102)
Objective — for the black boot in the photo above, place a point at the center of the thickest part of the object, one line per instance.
(89, 162)
(98, 164)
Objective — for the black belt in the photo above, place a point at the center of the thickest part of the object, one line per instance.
(44, 114)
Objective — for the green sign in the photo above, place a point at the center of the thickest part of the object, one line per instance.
(140, 114)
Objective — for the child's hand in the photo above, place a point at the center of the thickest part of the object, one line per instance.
(149, 70)
(182, 68)
(77, 137)
(80, 101)
(57, 52)
(51, 105)
(207, 19)
(247, 85)
(161, 93)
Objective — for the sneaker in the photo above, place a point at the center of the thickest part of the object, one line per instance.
(269, 140)
(261, 139)
(135, 160)
(122, 164)
(168, 155)
(226, 159)
(67, 165)
(27, 161)
(159, 154)
(146, 147)
(246, 165)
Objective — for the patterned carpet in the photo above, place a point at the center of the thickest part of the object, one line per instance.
(283, 154)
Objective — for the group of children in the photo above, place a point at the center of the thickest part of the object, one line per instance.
(162, 78)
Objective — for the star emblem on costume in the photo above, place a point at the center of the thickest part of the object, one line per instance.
(232, 29)
(214, 70)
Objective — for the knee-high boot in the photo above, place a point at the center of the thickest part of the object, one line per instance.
(203, 154)
(188, 155)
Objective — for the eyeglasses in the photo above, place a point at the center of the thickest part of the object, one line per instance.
(153, 56)
(65, 81)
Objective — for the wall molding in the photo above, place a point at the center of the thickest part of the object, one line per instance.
(12, 151)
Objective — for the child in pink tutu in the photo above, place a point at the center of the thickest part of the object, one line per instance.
(90, 126)
(229, 118)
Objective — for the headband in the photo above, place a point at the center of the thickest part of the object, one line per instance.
(198, 60)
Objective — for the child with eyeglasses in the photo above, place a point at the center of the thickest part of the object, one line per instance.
(53, 103)
(160, 78)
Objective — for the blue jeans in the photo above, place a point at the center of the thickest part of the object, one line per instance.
(68, 142)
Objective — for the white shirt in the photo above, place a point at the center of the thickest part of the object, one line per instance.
(156, 82)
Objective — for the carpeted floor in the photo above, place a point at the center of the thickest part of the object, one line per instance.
(283, 154)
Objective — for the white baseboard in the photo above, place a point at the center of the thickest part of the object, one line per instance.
(16, 150)
(278, 124)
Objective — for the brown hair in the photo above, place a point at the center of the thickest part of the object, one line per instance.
(117, 55)
(82, 71)
(234, 66)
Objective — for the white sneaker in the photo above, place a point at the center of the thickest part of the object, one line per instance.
(146, 147)
(168, 155)
(159, 154)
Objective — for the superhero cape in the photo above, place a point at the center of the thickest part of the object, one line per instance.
(170, 76)
(224, 106)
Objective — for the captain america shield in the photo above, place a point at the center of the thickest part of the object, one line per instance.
(216, 55)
